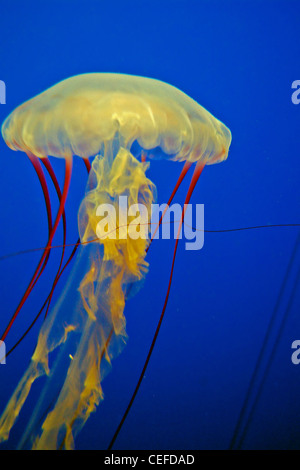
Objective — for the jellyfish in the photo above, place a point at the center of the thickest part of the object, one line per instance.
(120, 122)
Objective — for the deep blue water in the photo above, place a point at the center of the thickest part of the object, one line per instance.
(238, 60)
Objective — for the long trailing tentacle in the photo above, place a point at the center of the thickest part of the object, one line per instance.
(68, 172)
(195, 177)
(44, 259)
(184, 171)
(61, 269)
(52, 175)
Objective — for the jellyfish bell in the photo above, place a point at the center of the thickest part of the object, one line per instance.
(121, 121)
(79, 114)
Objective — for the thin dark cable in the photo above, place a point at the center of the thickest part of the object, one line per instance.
(75, 245)
(235, 443)
(32, 250)
(247, 425)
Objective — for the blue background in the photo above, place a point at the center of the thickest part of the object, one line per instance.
(238, 59)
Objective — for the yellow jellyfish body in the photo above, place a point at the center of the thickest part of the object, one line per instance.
(100, 116)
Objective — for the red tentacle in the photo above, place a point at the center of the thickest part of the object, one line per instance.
(44, 259)
(184, 171)
(68, 173)
(49, 297)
